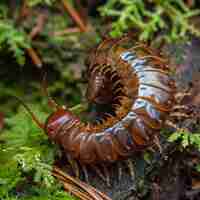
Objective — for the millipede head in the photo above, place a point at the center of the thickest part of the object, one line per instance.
(56, 121)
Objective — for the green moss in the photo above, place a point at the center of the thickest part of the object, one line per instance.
(186, 139)
(26, 159)
(168, 18)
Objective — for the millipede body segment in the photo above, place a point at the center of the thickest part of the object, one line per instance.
(137, 85)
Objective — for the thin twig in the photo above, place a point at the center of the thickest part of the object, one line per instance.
(34, 57)
(41, 20)
(72, 189)
(67, 31)
(74, 15)
(94, 193)
(76, 188)
(82, 10)
(78, 183)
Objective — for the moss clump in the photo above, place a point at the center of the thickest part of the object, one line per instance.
(171, 18)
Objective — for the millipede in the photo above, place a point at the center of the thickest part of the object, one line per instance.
(136, 83)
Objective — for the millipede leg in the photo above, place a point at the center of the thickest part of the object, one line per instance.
(74, 165)
(131, 167)
(85, 172)
(119, 168)
(179, 115)
(171, 124)
(157, 143)
(107, 175)
(180, 95)
(179, 107)
(99, 173)
(151, 149)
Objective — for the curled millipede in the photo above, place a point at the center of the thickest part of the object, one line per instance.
(137, 85)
